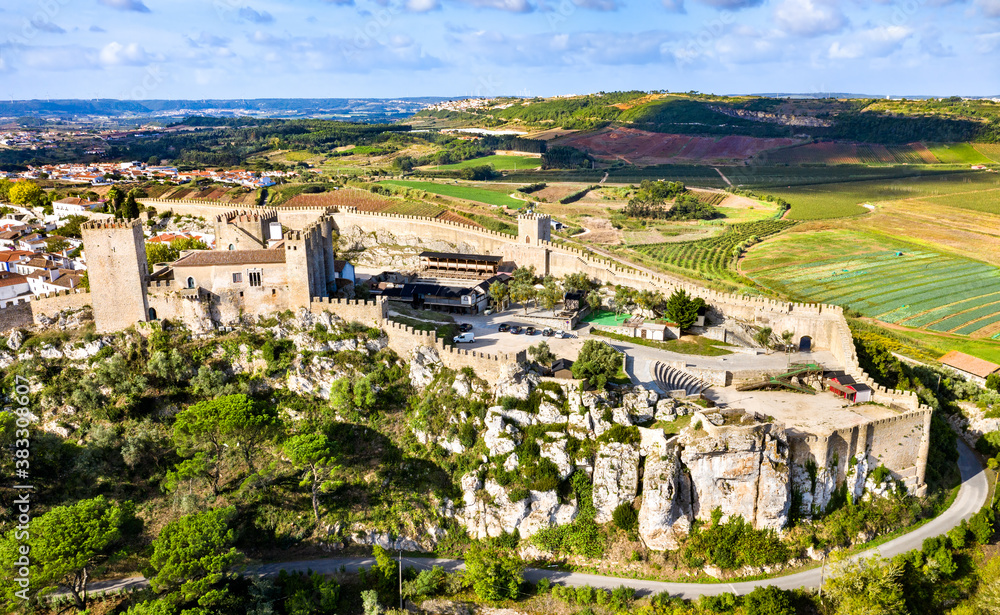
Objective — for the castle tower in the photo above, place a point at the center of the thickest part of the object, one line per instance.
(309, 262)
(534, 228)
(244, 230)
(118, 273)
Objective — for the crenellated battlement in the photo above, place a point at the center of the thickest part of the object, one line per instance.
(100, 225)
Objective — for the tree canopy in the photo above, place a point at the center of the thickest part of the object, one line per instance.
(194, 555)
(68, 542)
(682, 309)
(597, 363)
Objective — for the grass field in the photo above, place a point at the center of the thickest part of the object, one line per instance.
(711, 258)
(459, 191)
(957, 153)
(892, 281)
(990, 150)
(500, 163)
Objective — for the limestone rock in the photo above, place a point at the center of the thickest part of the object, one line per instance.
(84, 351)
(581, 425)
(549, 414)
(640, 403)
(15, 339)
(545, 511)
(616, 478)
(556, 453)
(665, 514)
(857, 475)
(423, 365)
(499, 435)
(743, 471)
(48, 351)
(461, 385)
(511, 463)
(666, 409)
(514, 381)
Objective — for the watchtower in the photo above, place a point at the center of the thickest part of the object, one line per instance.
(118, 273)
(534, 228)
(309, 258)
(244, 230)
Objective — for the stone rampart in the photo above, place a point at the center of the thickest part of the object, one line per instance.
(23, 311)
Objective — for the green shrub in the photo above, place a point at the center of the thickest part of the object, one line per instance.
(621, 434)
(768, 600)
(625, 517)
(733, 544)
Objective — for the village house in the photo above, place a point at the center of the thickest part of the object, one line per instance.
(13, 286)
(73, 206)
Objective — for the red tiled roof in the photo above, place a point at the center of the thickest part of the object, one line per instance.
(969, 364)
(12, 279)
(208, 258)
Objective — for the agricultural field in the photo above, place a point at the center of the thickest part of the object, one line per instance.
(712, 258)
(499, 163)
(892, 281)
(831, 152)
(345, 197)
(957, 153)
(462, 191)
(977, 190)
(990, 150)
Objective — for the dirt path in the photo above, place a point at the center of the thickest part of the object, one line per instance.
(724, 178)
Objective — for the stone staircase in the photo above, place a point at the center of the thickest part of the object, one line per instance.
(671, 379)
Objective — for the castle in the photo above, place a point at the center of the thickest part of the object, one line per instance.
(259, 269)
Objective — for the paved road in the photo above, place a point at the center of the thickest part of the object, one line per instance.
(971, 497)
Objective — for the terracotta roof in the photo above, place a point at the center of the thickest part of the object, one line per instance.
(969, 364)
(208, 258)
(12, 279)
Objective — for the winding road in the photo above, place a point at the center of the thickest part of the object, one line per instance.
(971, 496)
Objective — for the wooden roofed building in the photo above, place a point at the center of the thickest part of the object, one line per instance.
(457, 265)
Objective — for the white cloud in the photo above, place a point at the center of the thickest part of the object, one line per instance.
(126, 5)
(422, 6)
(674, 6)
(990, 8)
(809, 17)
(116, 54)
(876, 42)
(599, 5)
(577, 48)
(513, 6)
(249, 14)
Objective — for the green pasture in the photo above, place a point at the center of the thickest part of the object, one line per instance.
(500, 163)
(461, 191)
(957, 153)
(892, 281)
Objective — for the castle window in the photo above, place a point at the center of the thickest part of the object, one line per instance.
(237, 278)
(190, 283)
(232, 247)
(254, 278)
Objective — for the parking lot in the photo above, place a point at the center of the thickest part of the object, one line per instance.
(490, 339)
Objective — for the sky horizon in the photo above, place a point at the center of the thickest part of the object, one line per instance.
(233, 49)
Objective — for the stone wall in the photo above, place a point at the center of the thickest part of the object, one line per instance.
(370, 313)
(404, 340)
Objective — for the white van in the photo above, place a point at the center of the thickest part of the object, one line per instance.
(465, 337)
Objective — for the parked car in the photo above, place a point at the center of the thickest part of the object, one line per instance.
(562, 334)
(515, 330)
(465, 337)
(547, 332)
(529, 331)
(503, 328)
(465, 327)
(488, 312)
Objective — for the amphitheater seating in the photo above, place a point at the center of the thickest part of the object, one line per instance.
(671, 379)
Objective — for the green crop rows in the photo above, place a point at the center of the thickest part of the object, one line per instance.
(912, 287)
(712, 258)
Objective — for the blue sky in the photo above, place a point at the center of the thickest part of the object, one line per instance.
(138, 49)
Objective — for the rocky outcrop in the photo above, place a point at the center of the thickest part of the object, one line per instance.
(743, 471)
(489, 512)
(514, 381)
(423, 365)
(616, 478)
(665, 515)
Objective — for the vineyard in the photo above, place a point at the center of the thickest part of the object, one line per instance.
(850, 153)
(898, 283)
(990, 150)
(712, 258)
(500, 163)
(345, 197)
